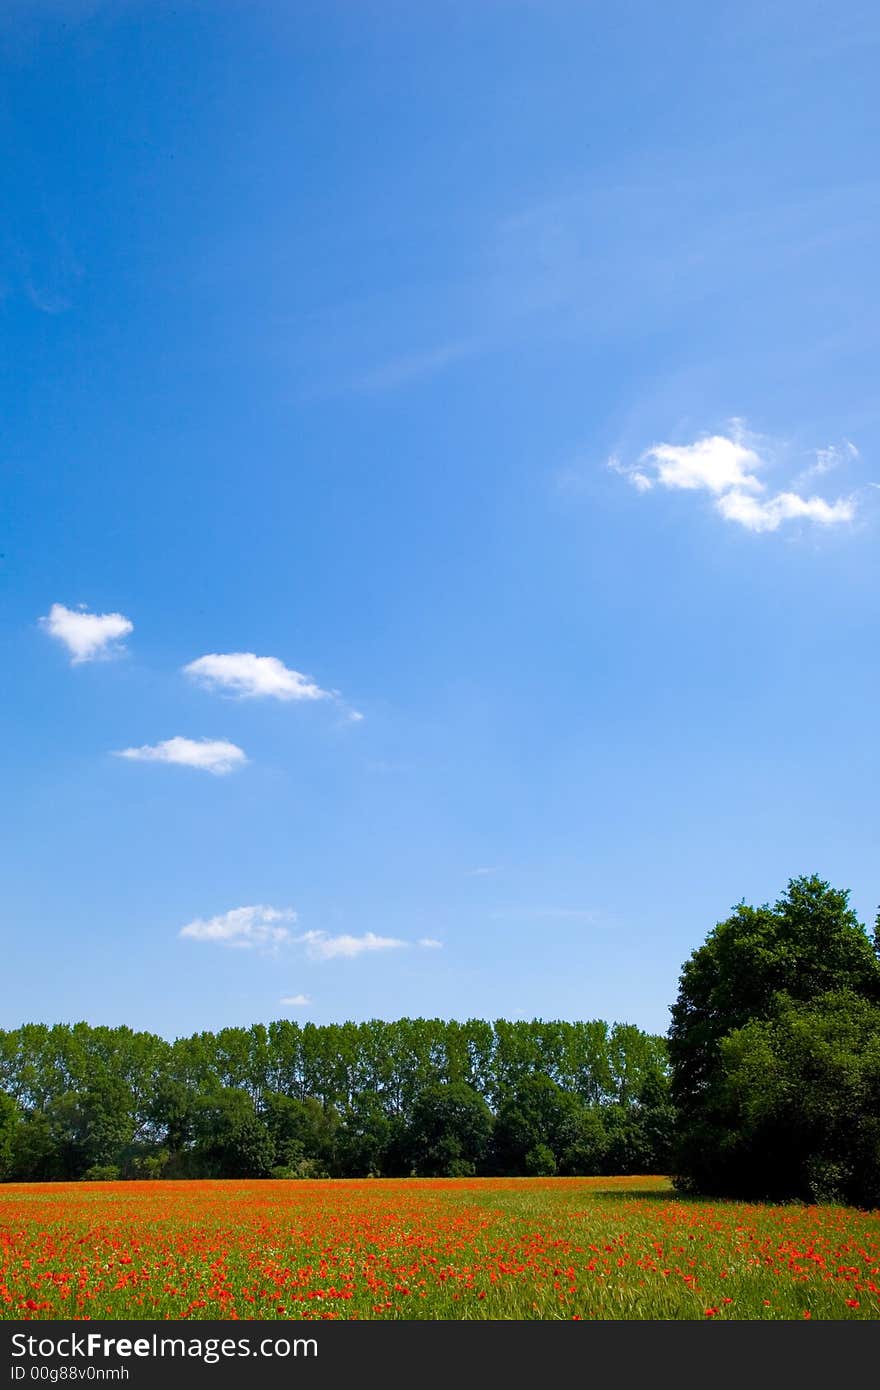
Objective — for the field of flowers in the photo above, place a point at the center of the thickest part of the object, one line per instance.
(457, 1248)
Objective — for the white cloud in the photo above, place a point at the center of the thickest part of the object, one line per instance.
(757, 514)
(430, 943)
(252, 677)
(483, 871)
(243, 926)
(87, 636)
(728, 467)
(296, 1001)
(209, 754)
(715, 463)
(320, 946)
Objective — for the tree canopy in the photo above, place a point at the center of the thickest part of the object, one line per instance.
(745, 1083)
(384, 1098)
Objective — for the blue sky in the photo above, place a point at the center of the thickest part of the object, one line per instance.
(505, 374)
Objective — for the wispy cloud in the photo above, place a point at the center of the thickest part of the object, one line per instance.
(296, 1001)
(208, 754)
(400, 371)
(582, 261)
(430, 943)
(320, 946)
(728, 468)
(87, 636)
(599, 249)
(253, 677)
(246, 927)
(571, 479)
(484, 871)
(834, 456)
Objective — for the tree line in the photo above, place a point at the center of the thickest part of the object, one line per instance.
(416, 1096)
(768, 1085)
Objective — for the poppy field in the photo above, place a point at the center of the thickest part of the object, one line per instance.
(545, 1248)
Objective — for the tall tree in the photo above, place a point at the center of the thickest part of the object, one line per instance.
(450, 1131)
(751, 967)
(231, 1140)
(542, 1129)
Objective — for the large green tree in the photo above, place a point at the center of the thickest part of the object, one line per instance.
(751, 970)
(542, 1129)
(803, 1093)
(231, 1139)
(450, 1131)
(367, 1138)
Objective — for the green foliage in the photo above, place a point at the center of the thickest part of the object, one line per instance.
(303, 1168)
(450, 1131)
(36, 1157)
(295, 1127)
(774, 1048)
(540, 1162)
(540, 1123)
(803, 1093)
(171, 1112)
(346, 1099)
(368, 1136)
(10, 1120)
(231, 1139)
(809, 943)
(101, 1172)
(149, 1166)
